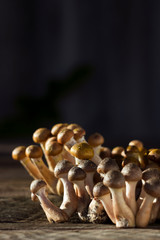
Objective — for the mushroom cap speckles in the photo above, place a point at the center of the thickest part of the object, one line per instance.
(76, 174)
(136, 143)
(19, 153)
(53, 148)
(36, 185)
(57, 127)
(34, 151)
(62, 167)
(132, 172)
(154, 155)
(150, 173)
(64, 135)
(78, 133)
(41, 135)
(114, 179)
(88, 166)
(106, 165)
(82, 151)
(152, 187)
(95, 139)
(100, 189)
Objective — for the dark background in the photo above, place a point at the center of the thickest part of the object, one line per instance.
(96, 63)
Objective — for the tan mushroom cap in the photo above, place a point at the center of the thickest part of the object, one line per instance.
(76, 174)
(154, 155)
(136, 143)
(41, 135)
(100, 190)
(82, 151)
(132, 172)
(105, 152)
(131, 149)
(72, 126)
(106, 165)
(36, 185)
(88, 166)
(114, 179)
(34, 151)
(78, 133)
(57, 127)
(64, 135)
(150, 173)
(119, 150)
(19, 153)
(53, 148)
(96, 139)
(152, 187)
(62, 167)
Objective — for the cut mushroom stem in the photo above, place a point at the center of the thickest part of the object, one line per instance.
(38, 187)
(19, 154)
(35, 153)
(96, 212)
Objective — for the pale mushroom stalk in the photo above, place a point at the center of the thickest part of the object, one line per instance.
(96, 212)
(130, 196)
(155, 210)
(89, 184)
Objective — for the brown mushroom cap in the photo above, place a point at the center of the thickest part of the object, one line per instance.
(105, 152)
(100, 189)
(62, 167)
(96, 139)
(106, 165)
(64, 135)
(78, 133)
(114, 179)
(19, 153)
(82, 151)
(41, 135)
(154, 155)
(72, 126)
(76, 174)
(88, 166)
(131, 149)
(117, 151)
(132, 172)
(57, 127)
(152, 187)
(150, 173)
(53, 148)
(34, 151)
(136, 143)
(36, 185)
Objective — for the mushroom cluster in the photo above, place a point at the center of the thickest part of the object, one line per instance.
(121, 185)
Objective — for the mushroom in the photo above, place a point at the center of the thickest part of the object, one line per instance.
(38, 188)
(132, 174)
(154, 156)
(105, 152)
(124, 216)
(96, 140)
(72, 126)
(102, 193)
(132, 156)
(105, 165)
(35, 153)
(19, 154)
(70, 201)
(118, 153)
(136, 143)
(77, 176)
(90, 169)
(81, 151)
(57, 127)
(152, 191)
(79, 134)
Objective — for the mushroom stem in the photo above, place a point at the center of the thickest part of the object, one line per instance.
(96, 212)
(31, 168)
(154, 211)
(89, 184)
(130, 196)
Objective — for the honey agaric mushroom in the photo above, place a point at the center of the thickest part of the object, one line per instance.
(19, 154)
(137, 143)
(132, 174)
(152, 191)
(132, 156)
(118, 153)
(38, 188)
(72, 126)
(70, 201)
(81, 151)
(96, 140)
(79, 134)
(105, 152)
(101, 192)
(124, 216)
(90, 168)
(154, 155)
(106, 165)
(57, 127)
(35, 153)
(77, 176)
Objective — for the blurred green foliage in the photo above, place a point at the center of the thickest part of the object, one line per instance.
(34, 112)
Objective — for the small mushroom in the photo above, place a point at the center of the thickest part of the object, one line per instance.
(19, 154)
(132, 156)
(70, 201)
(118, 153)
(105, 165)
(79, 134)
(35, 153)
(137, 143)
(57, 127)
(96, 140)
(152, 191)
(105, 152)
(132, 174)
(124, 216)
(38, 188)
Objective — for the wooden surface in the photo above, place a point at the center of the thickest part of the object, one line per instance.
(20, 218)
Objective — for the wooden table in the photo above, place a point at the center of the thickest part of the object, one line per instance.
(20, 218)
